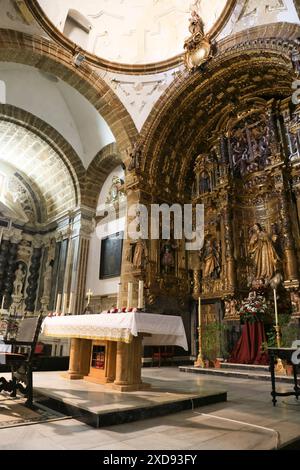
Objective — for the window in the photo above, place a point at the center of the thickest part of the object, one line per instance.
(77, 28)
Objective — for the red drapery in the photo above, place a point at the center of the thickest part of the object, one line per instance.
(248, 349)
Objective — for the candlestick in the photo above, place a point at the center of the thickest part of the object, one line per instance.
(276, 308)
(65, 304)
(199, 362)
(119, 306)
(58, 303)
(141, 295)
(89, 296)
(71, 306)
(129, 296)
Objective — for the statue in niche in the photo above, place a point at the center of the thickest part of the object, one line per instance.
(139, 254)
(168, 249)
(19, 281)
(135, 158)
(240, 154)
(262, 252)
(295, 300)
(48, 280)
(210, 256)
(204, 183)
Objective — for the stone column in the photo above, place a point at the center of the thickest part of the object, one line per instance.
(82, 229)
(82, 261)
(4, 252)
(128, 365)
(11, 267)
(229, 249)
(291, 266)
(129, 272)
(33, 278)
(74, 372)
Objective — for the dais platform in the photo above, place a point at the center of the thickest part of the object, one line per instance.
(99, 406)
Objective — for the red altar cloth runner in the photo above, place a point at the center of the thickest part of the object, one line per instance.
(248, 349)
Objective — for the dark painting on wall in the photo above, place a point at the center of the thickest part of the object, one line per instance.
(111, 256)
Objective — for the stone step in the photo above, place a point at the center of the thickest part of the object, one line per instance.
(247, 374)
(244, 367)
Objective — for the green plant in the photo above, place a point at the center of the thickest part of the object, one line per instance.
(214, 341)
(289, 332)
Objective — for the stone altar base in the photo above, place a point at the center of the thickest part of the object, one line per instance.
(100, 406)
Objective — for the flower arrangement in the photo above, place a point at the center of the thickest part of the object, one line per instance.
(254, 310)
(122, 310)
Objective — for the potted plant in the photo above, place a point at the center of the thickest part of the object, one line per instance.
(213, 344)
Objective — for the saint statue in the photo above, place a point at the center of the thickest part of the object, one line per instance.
(168, 255)
(48, 280)
(210, 256)
(263, 253)
(139, 254)
(196, 24)
(19, 281)
(135, 157)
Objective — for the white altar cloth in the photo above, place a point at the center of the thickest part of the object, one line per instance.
(164, 329)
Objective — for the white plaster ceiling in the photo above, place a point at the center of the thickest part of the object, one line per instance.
(134, 31)
(58, 104)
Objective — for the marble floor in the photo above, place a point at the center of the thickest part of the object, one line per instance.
(246, 421)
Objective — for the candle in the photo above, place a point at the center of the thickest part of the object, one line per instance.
(3, 300)
(58, 302)
(199, 312)
(276, 309)
(129, 296)
(119, 306)
(71, 307)
(141, 295)
(65, 304)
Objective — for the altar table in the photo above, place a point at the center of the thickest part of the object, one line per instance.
(122, 336)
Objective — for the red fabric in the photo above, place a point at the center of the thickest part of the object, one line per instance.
(248, 349)
(39, 348)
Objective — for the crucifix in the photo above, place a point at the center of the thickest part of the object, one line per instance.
(89, 296)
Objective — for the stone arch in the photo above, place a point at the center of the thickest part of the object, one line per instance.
(102, 165)
(53, 138)
(49, 57)
(64, 158)
(194, 103)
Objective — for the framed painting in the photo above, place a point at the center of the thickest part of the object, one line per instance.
(111, 256)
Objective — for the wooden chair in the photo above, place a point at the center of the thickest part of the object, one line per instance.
(20, 360)
(163, 353)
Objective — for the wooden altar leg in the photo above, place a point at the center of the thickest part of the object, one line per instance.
(79, 363)
(128, 366)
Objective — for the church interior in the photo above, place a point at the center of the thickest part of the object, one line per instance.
(183, 105)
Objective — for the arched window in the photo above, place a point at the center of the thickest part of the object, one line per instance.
(2, 92)
(77, 28)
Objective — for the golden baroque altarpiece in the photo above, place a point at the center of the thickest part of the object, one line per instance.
(229, 140)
